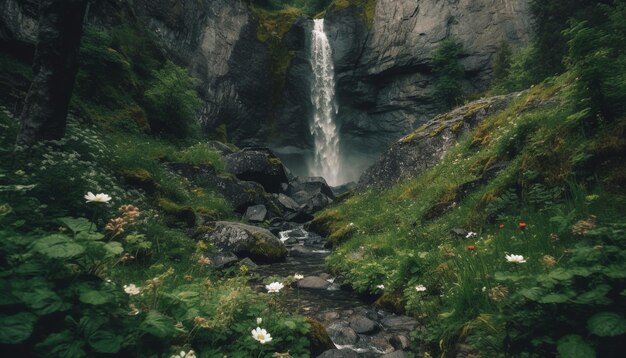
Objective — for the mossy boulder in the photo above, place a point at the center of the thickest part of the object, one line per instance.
(177, 214)
(258, 165)
(318, 337)
(257, 243)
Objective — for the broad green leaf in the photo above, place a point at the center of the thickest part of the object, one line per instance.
(573, 346)
(105, 342)
(77, 225)
(596, 296)
(61, 344)
(16, 328)
(607, 324)
(187, 294)
(158, 325)
(113, 248)
(95, 297)
(58, 246)
(554, 298)
(561, 274)
(290, 324)
(533, 293)
(42, 300)
(89, 236)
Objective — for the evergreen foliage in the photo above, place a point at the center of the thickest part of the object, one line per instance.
(449, 73)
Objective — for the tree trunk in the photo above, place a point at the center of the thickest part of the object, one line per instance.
(54, 68)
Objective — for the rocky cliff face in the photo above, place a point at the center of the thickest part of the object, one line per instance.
(384, 79)
(384, 82)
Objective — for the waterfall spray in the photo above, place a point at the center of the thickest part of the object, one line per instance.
(323, 129)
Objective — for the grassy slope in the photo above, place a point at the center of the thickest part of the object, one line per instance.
(557, 175)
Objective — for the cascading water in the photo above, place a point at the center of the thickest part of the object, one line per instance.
(323, 129)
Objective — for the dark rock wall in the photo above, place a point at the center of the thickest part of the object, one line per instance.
(384, 81)
(382, 70)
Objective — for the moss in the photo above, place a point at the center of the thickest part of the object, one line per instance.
(140, 178)
(177, 214)
(342, 234)
(325, 223)
(366, 7)
(391, 302)
(318, 337)
(267, 249)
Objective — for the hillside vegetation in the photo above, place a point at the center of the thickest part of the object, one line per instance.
(531, 260)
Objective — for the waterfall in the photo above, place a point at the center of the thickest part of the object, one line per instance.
(323, 129)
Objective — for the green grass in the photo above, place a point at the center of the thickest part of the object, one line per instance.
(551, 182)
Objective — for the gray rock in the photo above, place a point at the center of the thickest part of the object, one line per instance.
(258, 165)
(256, 213)
(299, 251)
(240, 194)
(248, 241)
(363, 325)
(345, 335)
(248, 263)
(425, 146)
(313, 282)
(288, 202)
(221, 259)
(339, 353)
(395, 323)
(400, 342)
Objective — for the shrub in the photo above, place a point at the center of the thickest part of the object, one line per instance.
(172, 103)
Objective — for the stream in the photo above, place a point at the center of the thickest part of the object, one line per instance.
(354, 325)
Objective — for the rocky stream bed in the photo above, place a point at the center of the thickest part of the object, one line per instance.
(357, 328)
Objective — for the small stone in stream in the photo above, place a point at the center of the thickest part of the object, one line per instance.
(256, 213)
(329, 316)
(313, 282)
(339, 353)
(363, 325)
(396, 354)
(400, 342)
(345, 335)
(249, 263)
(290, 241)
(299, 250)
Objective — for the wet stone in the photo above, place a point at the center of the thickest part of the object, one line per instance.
(399, 323)
(345, 336)
(300, 250)
(313, 282)
(400, 342)
(363, 325)
(256, 213)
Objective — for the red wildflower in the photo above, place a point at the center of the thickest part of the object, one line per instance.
(471, 247)
(501, 226)
(522, 225)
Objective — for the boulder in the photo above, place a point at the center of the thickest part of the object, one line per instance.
(258, 165)
(426, 146)
(318, 337)
(257, 243)
(363, 325)
(314, 283)
(240, 194)
(221, 259)
(345, 335)
(310, 185)
(288, 203)
(256, 213)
